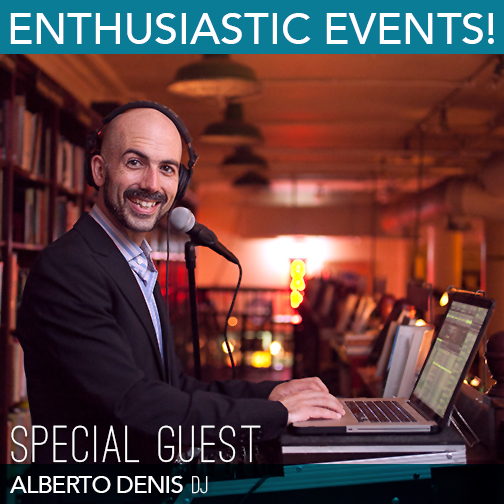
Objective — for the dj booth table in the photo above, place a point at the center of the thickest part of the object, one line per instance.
(358, 468)
(446, 447)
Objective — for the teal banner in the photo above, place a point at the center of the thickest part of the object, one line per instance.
(247, 27)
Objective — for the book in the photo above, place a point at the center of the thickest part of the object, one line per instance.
(19, 392)
(70, 165)
(28, 215)
(37, 146)
(30, 209)
(78, 175)
(14, 292)
(73, 213)
(67, 168)
(66, 215)
(27, 139)
(7, 128)
(47, 153)
(21, 282)
(18, 109)
(39, 217)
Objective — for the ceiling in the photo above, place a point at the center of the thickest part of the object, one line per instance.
(336, 127)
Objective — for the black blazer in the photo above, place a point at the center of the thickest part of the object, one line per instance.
(92, 360)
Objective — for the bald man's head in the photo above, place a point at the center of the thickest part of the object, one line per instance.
(117, 130)
(137, 169)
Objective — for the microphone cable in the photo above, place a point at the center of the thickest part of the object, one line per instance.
(170, 337)
(228, 316)
(237, 288)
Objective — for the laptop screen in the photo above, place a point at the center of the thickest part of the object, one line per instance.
(451, 354)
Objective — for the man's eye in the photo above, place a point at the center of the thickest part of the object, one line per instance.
(168, 169)
(134, 163)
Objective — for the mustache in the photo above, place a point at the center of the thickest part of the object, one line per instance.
(145, 195)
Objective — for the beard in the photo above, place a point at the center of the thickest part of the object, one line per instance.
(124, 216)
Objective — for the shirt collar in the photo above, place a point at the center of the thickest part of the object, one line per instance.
(129, 249)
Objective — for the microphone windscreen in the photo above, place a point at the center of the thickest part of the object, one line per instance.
(182, 219)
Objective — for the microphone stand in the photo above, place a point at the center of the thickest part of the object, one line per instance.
(190, 259)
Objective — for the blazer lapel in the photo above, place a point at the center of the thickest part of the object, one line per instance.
(113, 262)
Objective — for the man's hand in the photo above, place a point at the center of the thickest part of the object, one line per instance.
(294, 386)
(312, 404)
(307, 398)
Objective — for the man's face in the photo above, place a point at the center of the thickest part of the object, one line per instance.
(139, 177)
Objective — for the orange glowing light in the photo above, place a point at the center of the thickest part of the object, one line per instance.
(296, 319)
(261, 359)
(475, 382)
(275, 348)
(298, 284)
(298, 268)
(232, 321)
(420, 323)
(224, 347)
(444, 299)
(296, 298)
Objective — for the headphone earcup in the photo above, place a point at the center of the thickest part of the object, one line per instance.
(185, 175)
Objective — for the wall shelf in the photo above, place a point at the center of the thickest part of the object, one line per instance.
(35, 247)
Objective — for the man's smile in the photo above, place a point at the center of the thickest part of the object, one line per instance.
(143, 206)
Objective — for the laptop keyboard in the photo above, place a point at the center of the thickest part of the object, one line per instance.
(379, 411)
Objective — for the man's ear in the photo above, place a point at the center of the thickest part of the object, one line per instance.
(98, 170)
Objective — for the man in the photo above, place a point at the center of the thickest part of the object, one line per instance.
(92, 326)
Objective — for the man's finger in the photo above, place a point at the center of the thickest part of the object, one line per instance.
(325, 413)
(316, 383)
(307, 412)
(318, 398)
(308, 399)
(312, 383)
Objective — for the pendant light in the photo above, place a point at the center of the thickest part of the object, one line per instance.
(216, 75)
(251, 179)
(244, 158)
(251, 166)
(232, 130)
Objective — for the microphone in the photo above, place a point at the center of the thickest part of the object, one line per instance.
(182, 219)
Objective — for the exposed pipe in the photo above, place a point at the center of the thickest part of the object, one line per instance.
(455, 196)
(426, 205)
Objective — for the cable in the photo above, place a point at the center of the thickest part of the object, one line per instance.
(228, 316)
(168, 339)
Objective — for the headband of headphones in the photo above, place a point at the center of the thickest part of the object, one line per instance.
(94, 140)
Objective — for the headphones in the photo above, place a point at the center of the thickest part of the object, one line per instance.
(94, 141)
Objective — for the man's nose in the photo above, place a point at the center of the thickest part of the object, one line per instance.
(150, 179)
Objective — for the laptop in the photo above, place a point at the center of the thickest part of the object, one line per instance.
(431, 401)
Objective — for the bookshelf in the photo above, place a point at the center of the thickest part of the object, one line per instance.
(42, 139)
